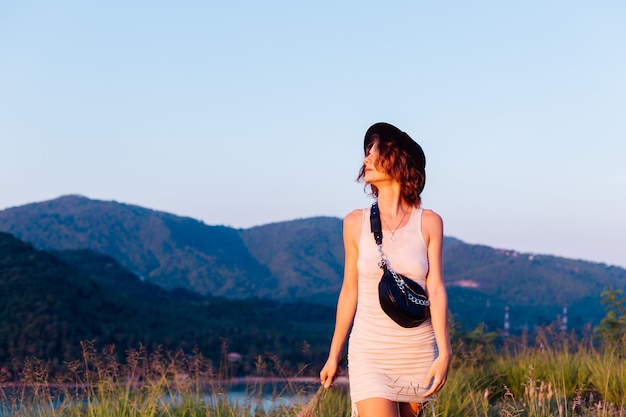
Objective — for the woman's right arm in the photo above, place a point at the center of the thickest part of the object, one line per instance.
(346, 305)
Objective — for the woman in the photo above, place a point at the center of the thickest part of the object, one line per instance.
(393, 370)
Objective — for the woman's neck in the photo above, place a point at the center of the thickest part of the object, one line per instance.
(392, 204)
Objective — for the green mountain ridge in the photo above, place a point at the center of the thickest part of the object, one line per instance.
(305, 256)
(51, 302)
(303, 260)
(168, 250)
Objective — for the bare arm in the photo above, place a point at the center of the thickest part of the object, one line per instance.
(433, 235)
(346, 305)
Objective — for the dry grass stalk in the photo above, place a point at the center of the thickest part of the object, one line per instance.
(311, 407)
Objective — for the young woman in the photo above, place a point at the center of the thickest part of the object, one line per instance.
(392, 370)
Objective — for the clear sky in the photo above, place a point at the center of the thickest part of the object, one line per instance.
(243, 113)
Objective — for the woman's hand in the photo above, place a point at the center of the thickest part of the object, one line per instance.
(329, 373)
(438, 374)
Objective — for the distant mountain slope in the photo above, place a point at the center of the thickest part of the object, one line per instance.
(50, 302)
(481, 281)
(165, 249)
(528, 278)
(46, 303)
(303, 259)
(306, 256)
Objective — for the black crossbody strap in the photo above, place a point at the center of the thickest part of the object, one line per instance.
(375, 224)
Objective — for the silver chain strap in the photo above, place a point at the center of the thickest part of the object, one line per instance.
(384, 262)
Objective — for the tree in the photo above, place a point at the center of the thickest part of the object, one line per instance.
(612, 329)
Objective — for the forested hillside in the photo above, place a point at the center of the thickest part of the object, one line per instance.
(168, 250)
(53, 301)
(303, 260)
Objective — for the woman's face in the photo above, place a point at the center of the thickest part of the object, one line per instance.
(373, 170)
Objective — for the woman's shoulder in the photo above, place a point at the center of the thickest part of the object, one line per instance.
(353, 218)
(352, 224)
(431, 215)
(430, 219)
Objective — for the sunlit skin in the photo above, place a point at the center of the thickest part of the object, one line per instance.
(393, 209)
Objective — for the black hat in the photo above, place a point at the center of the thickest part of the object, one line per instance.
(404, 141)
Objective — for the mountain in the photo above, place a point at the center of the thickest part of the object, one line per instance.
(481, 281)
(305, 256)
(303, 260)
(167, 250)
(46, 301)
(53, 301)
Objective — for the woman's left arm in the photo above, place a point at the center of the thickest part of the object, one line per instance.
(432, 229)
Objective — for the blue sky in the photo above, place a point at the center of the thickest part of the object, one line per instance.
(244, 113)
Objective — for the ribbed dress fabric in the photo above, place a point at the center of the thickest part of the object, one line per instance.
(386, 360)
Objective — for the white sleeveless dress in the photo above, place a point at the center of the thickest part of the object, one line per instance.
(386, 360)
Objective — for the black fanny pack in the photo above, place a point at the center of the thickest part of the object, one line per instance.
(401, 298)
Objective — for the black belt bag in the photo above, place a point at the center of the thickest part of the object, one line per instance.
(401, 298)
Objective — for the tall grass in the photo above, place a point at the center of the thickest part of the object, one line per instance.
(148, 384)
(557, 375)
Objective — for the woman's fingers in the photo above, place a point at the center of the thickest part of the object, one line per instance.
(327, 377)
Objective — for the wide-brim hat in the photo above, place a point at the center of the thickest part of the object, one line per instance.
(402, 139)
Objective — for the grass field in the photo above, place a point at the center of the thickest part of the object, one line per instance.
(555, 375)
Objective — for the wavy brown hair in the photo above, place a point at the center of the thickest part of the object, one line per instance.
(396, 162)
